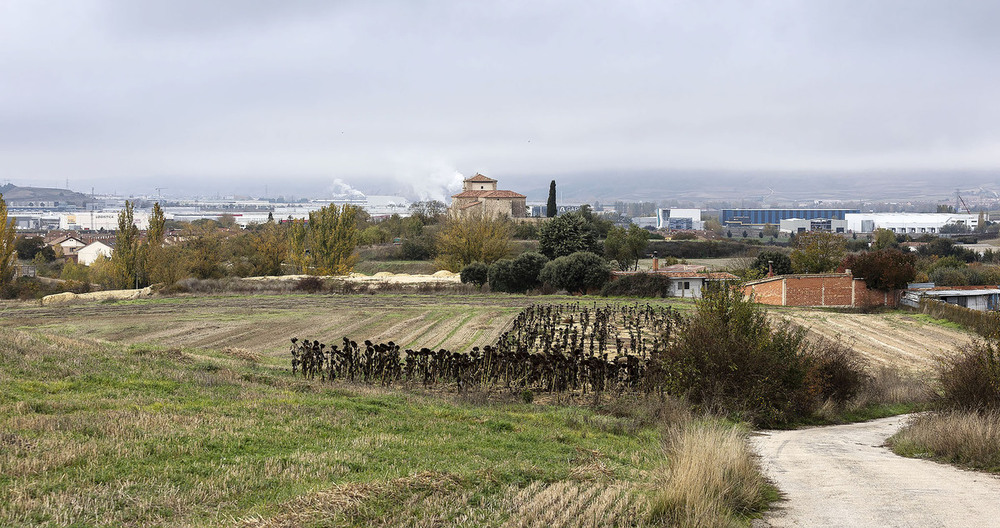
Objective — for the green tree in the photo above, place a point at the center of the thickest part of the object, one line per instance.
(8, 253)
(476, 238)
(626, 246)
(550, 206)
(297, 254)
(817, 252)
(125, 259)
(779, 263)
(567, 234)
(153, 256)
(331, 237)
(270, 247)
(476, 273)
(770, 230)
(518, 275)
(577, 273)
(884, 270)
(884, 239)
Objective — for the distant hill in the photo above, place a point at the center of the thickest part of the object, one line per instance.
(23, 196)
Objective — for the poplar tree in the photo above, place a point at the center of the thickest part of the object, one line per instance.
(8, 256)
(126, 255)
(153, 257)
(550, 207)
(330, 239)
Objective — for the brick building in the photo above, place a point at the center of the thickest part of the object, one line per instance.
(822, 289)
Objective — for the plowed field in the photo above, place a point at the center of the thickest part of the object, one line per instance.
(898, 339)
(264, 323)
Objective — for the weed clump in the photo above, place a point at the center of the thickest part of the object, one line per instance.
(712, 478)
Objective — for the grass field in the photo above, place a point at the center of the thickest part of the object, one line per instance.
(103, 434)
(181, 411)
(263, 324)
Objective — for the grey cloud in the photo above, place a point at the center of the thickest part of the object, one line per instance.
(247, 90)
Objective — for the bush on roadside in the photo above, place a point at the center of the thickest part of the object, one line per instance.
(835, 372)
(970, 379)
(728, 358)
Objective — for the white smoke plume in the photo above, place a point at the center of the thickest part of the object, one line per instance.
(342, 189)
(429, 180)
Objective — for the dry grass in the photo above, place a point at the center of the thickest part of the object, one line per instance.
(712, 480)
(568, 504)
(242, 354)
(967, 438)
(888, 391)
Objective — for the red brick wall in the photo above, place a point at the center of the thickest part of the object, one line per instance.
(820, 290)
(765, 292)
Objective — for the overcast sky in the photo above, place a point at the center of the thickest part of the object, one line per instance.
(222, 94)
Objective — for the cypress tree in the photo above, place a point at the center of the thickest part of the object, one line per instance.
(550, 207)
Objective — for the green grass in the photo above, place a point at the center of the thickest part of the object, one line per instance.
(927, 319)
(98, 434)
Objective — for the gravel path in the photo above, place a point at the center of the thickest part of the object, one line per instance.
(842, 476)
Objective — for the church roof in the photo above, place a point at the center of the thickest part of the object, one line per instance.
(488, 194)
(480, 178)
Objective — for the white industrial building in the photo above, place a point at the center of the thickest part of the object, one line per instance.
(679, 219)
(801, 225)
(98, 220)
(907, 222)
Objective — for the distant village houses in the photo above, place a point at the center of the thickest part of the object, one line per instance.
(480, 196)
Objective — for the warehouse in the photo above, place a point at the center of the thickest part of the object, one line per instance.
(762, 217)
(675, 219)
(908, 222)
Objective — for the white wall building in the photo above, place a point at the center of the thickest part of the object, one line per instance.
(679, 219)
(914, 223)
(89, 253)
(801, 225)
(97, 220)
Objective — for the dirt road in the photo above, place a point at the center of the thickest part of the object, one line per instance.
(841, 476)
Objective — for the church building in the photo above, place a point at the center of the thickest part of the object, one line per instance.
(480, 196)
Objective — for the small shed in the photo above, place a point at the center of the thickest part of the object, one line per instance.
(982, 298)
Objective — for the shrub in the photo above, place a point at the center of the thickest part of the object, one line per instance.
(518, 275)
(417, 248)
(476, 273)
(638, 285)
(970, 379)
(835, 372)
(986, 324)
(309, 284)
(684, 235)
(577, 273)
(728, 358)
(696, 248)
